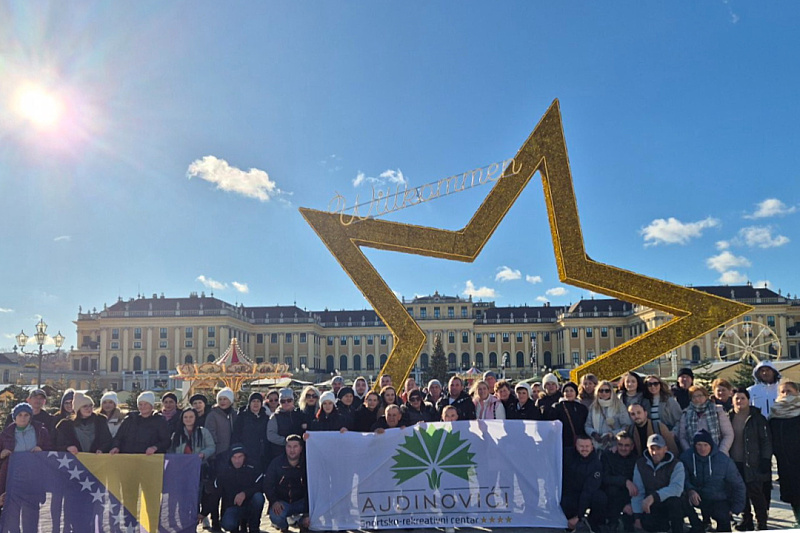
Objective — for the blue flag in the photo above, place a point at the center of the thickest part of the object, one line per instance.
(62, 492)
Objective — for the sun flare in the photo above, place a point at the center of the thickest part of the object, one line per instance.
(39, 106)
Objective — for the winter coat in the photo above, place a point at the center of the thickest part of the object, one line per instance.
(463, 405)
(231, 481)
(573, 420)
(382, 424)
(411, 416)
(220, 424)
(8, 442)
(327, 422)
(582, 477)
(547, 402)
(636, 398)
(250, 430)
(43, 417)
(786, 447)
(347, 412)
(529, 411)
(617, 470)
(757, 446)
(207, 447)
(662, 481)
(364, 419)
(281, 425)
(286, 483)
(725, 429)
(138, 433)
(681, 395)
(653, 427)
(763, 395)
(66, 435)
(113, 421)
(714, 477)
(669, 412)
(605, 423)
(490, 409)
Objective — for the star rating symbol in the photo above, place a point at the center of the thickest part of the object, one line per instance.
(508, 520)
(64, 462)
(491, 520)
(483, 519)
(545, 151)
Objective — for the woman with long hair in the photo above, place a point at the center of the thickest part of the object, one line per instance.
(309, 401)
(571, 413)
(109, 408)
(703, 413)
(189, 438)
(664, 408)
(606, 417)
(366, 415)
(586, 389)
(487, 405)
(784, 423)
(631, 390)
(388, 397)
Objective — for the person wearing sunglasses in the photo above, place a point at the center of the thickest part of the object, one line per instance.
(417, 410)
(309, 401)
(271, 401)
(289, 420)
(664, 408)
(606, 417)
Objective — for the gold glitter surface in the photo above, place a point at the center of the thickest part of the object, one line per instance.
(695, 313)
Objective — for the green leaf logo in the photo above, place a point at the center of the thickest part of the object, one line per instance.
(433, 451)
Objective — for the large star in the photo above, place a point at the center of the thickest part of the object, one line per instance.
(695, 313)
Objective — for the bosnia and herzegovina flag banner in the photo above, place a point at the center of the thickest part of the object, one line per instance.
(59, 491)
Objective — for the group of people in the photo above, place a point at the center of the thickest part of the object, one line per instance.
(641, 453)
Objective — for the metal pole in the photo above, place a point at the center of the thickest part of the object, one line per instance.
(39, 374)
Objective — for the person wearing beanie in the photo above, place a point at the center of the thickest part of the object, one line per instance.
(170, 411)
(345, 405)
(289, 420)
(240, 487)
(109, 408)
(23, 435)
(434, 392)
(552, 395)
(272, 401)
(525, 407)
(219, 422)
(200, 404)
(144, 432)
(712, 484)
(250, 430)
(681, 389)
(66, 407)
(328, 418)
(703, 413)
(417, 410)
(572, 414)
(84, 431)
(37, 399)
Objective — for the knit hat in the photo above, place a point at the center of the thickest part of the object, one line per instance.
(255, 396)
(23, 407)
(80, 400)
(147, 396)
(569, 385)
(327, 396)
(286, 393)
(549, 378)
(703, 436)
(434, 382)
(337, 379)
(237, 448)
(686, 372)
(225, 392)
(169, 395)
(345, 390)
(110, 395)
(489, 374)
(656, 440)
(523, 385)
(200, 397)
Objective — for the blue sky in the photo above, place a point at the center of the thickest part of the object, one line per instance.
(682, 123)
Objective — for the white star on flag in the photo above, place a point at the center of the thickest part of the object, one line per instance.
(98, 495)
(64, 462)
(75, 473)
(52, 454)
(86, 485)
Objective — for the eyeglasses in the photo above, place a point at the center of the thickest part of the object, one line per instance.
(311, 396)
(287, 400)
(653, 384)
(606, 391)
(415, 398)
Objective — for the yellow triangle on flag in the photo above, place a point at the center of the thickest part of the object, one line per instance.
(135, 480)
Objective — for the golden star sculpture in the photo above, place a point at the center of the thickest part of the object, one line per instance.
(695, 313)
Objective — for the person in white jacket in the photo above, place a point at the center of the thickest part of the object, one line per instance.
(765, 391)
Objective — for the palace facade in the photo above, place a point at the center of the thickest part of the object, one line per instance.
(138, 342)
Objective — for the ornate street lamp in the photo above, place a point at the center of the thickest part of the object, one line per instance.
(39, 337)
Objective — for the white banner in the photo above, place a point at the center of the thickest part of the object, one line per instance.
(493, 473)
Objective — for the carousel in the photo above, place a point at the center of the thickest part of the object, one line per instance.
(232, 369)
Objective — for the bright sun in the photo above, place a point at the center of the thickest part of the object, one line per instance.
(42, 108)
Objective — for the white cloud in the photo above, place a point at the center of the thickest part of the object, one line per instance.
(762, 283)
(673, 231)
(6, 310)
(507, 274)
(253, 183)
(556, 291)
(387, 177)
(542, 299)
(732, 277)
(241, 287)
(10, 336)
(63, 238)
(483, 292)
(212, 283)
(723, 245)
(397, 294)
(533, 279)
(771, 207)
(761, 236)
(726, 261)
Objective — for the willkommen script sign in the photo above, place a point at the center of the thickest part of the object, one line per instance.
(494, 473)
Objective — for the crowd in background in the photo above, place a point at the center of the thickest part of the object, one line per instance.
(637, 454)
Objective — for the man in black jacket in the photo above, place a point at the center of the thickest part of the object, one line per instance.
(458, 398)
(582, 478)
(286, 485)
(681, 389)
(618, 482)
(240, 485)
(37, 400)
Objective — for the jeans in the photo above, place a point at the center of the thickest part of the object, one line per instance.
(289, 509)
(249, 511)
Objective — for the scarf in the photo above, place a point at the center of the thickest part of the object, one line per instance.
(708, 412)
(483, 408)
(785, 407)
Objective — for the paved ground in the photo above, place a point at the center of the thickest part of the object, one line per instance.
(780, 518)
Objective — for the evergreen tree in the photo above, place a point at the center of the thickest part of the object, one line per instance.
(18, 395)
(438, 364)
(744, 374)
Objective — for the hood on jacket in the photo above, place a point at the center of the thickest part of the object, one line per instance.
(668, 458)
(767, 364)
